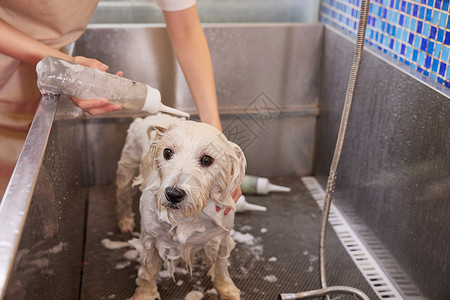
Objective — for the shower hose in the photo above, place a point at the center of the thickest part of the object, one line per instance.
(357, 56)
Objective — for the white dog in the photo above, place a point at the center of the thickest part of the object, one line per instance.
(187, 171)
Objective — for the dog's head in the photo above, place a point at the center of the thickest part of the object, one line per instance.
(193, 162)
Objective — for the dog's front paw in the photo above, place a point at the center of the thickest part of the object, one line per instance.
(231, 292)
(139, 295)
(126, 224)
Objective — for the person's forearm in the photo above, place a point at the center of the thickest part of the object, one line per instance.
(191, 50)
(18, 45)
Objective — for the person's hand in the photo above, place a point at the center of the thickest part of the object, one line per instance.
(94, 106)
(235, 195)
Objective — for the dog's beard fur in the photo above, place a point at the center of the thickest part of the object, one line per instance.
(200, 185)
(191, 207)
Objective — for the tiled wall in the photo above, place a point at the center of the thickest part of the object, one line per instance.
(416, 32)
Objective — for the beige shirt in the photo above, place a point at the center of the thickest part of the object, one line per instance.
(54, 22)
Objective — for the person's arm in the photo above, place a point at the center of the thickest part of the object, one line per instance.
(20, 46)
(17, 44)
(192, 52)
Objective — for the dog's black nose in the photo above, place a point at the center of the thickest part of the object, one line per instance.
(174, 194)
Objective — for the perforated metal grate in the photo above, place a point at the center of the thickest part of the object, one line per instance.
(281, 257)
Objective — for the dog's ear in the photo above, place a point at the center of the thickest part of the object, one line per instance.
(155, 132)
(238, 165)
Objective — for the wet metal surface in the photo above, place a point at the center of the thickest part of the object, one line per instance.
(267, 94)
(250, 61)
(279, 253)
(394, 176)
(48, 260)
(16, 200)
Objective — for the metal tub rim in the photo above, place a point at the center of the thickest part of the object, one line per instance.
(18, 194)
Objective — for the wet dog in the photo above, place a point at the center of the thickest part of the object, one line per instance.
(187, 171)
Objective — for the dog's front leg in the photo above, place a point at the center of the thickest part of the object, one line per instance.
(151, 264)
(219, 272)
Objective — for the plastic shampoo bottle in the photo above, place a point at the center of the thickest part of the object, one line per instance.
(242, 205)
(260, 186)
(58, 76)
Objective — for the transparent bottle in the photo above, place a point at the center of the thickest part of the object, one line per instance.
(58, 76)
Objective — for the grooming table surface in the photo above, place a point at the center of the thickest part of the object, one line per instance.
(276, 252)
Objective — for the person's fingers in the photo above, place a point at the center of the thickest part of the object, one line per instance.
(95, 106)
(90, 62)
(236, 194)
(87, 104)
(104, 109)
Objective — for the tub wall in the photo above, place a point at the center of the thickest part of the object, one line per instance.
(267, 104)
(393, 179)
(48, 260)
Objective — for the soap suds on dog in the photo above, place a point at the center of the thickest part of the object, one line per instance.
(166, 274)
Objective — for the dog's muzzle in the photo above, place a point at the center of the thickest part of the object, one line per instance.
(175, 195)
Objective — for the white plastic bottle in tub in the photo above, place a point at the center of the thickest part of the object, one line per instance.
(260, 186)
(242, 205)
(58, 76)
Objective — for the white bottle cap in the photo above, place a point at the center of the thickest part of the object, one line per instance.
(152, 101)
(264, 186)
(242, 205)
(153, 104)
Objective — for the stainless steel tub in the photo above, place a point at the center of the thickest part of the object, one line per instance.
(44, 207)
(60, 205)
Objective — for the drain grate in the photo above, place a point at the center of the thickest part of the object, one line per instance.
(369, 268)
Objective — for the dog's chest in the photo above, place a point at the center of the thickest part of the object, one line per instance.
(192, 234)
(188, 240)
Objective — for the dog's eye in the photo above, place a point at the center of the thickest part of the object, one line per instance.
(167, 153)
(206, 160)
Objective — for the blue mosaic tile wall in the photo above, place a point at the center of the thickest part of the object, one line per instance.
(415, 32)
